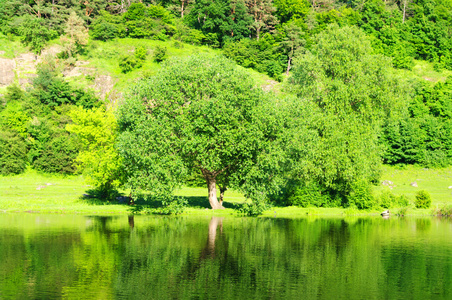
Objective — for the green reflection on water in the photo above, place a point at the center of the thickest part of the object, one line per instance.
(75, 257)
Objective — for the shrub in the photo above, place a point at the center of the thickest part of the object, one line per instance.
(361, 195)
(445, 210)
(160, 54)
(423, 199)
(58, 156)
(128, 63)
(13, 153)
(387, 199)
(141, 53)
(172, 206)
(253, 209)
(14, 93)
(14, 118)
(306, 194)
(402, 201)
(402, 211)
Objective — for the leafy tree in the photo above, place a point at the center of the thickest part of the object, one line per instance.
(354, 91)
(291, 9)
(58, 155)
(262, 55)
(262, 13)
(98, 159)
(226, 18)
(76, 34)
(14, 118)
(292, 41)
(200, 113)
(106, 27)
(35, 34)
(13, 153)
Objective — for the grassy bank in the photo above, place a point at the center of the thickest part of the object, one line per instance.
(42, 193)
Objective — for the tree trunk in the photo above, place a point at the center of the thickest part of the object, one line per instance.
(288, 66)
(182, 9)
(404, 11)
(212, 186)
(222, 190)
(211, 181)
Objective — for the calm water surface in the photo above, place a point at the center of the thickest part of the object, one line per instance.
(77, 257)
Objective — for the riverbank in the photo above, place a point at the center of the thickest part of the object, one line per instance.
(34, 192)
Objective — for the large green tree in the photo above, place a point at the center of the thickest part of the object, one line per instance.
(199, 113)
(355, 91)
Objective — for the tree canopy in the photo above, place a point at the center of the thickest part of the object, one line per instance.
(202, 113)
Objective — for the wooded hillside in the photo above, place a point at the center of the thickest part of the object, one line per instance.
(352, 93)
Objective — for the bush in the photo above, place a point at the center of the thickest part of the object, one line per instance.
(402, 201)
(306, 194)
(128, 63)
(160, 54)
(388, 199)
(361, 195)
(58, 156)
(445, 210)
(13, 153)
(141, 53)
(253, 209)
(423, 199)
(172, 206)
(14, 93)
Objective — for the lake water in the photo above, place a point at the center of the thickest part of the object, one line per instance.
(149, 257)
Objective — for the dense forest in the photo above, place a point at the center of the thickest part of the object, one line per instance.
(345, 107)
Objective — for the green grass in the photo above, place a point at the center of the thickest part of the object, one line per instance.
(11, 46)
(42, 193)
(434, 181)
(425, 70)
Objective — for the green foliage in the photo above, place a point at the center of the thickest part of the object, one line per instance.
(422, 199)
(98, 159)
(14, 93)
(291, 9)
(159, 54)
(35, 33)
(106, 27)
(348, 92)
(422, 134)
(362, 195)
(308, 194)
(14, 118)
(228, 19)
(128, 63)
(58, 155)
(402, 201)
(445, 210)
(388, 199)
(201, 113)
(53, 91)
(141, 53)
(253, 209)
(13, 153)
(262, 55)
(172, 206)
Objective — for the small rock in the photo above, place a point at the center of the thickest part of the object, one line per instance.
(387, 182)
(413, 184)
(450, 187)
(48, 184)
